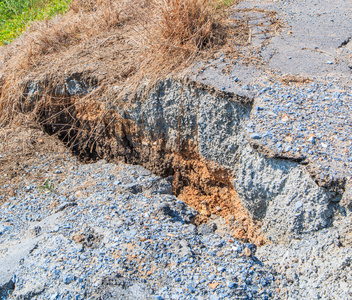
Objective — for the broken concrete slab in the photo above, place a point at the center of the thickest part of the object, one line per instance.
(10, 262)
(16, 250)
(300, 81)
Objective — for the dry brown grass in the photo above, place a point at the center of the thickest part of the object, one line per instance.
(183, 26)
(137, 41)
(81, 23)
(171, 34)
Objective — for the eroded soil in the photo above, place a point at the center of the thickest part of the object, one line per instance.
(27, 156)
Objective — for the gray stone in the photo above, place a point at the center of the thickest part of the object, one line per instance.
(68, 279)
(11, 260)
(256, 136)
(205, 229)
(65, 205)
(133, 188)
(6, 288)
(163, 208)
(347, 196)
(163, 186)
(30, 292)
(75, 87)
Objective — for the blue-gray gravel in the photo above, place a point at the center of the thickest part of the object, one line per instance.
(116, 232)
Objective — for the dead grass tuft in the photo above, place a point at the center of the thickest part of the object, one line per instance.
(183, 25)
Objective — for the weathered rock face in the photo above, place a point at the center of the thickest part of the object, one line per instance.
(197, 135)
(187, 112)
(282, 194)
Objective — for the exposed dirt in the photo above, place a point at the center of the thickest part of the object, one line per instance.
(210, 190)
(20, 150)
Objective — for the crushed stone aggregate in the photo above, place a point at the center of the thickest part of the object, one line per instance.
(117, 232)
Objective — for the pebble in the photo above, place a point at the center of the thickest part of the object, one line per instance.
(312, 140)
(256, 136)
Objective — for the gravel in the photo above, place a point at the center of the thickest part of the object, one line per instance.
(110, 231)
(117, 232)
(315, 267)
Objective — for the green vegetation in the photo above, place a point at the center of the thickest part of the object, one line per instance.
(229, 2)
(47, 187)
(16, 15)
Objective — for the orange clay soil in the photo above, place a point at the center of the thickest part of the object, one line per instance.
(210, 191)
